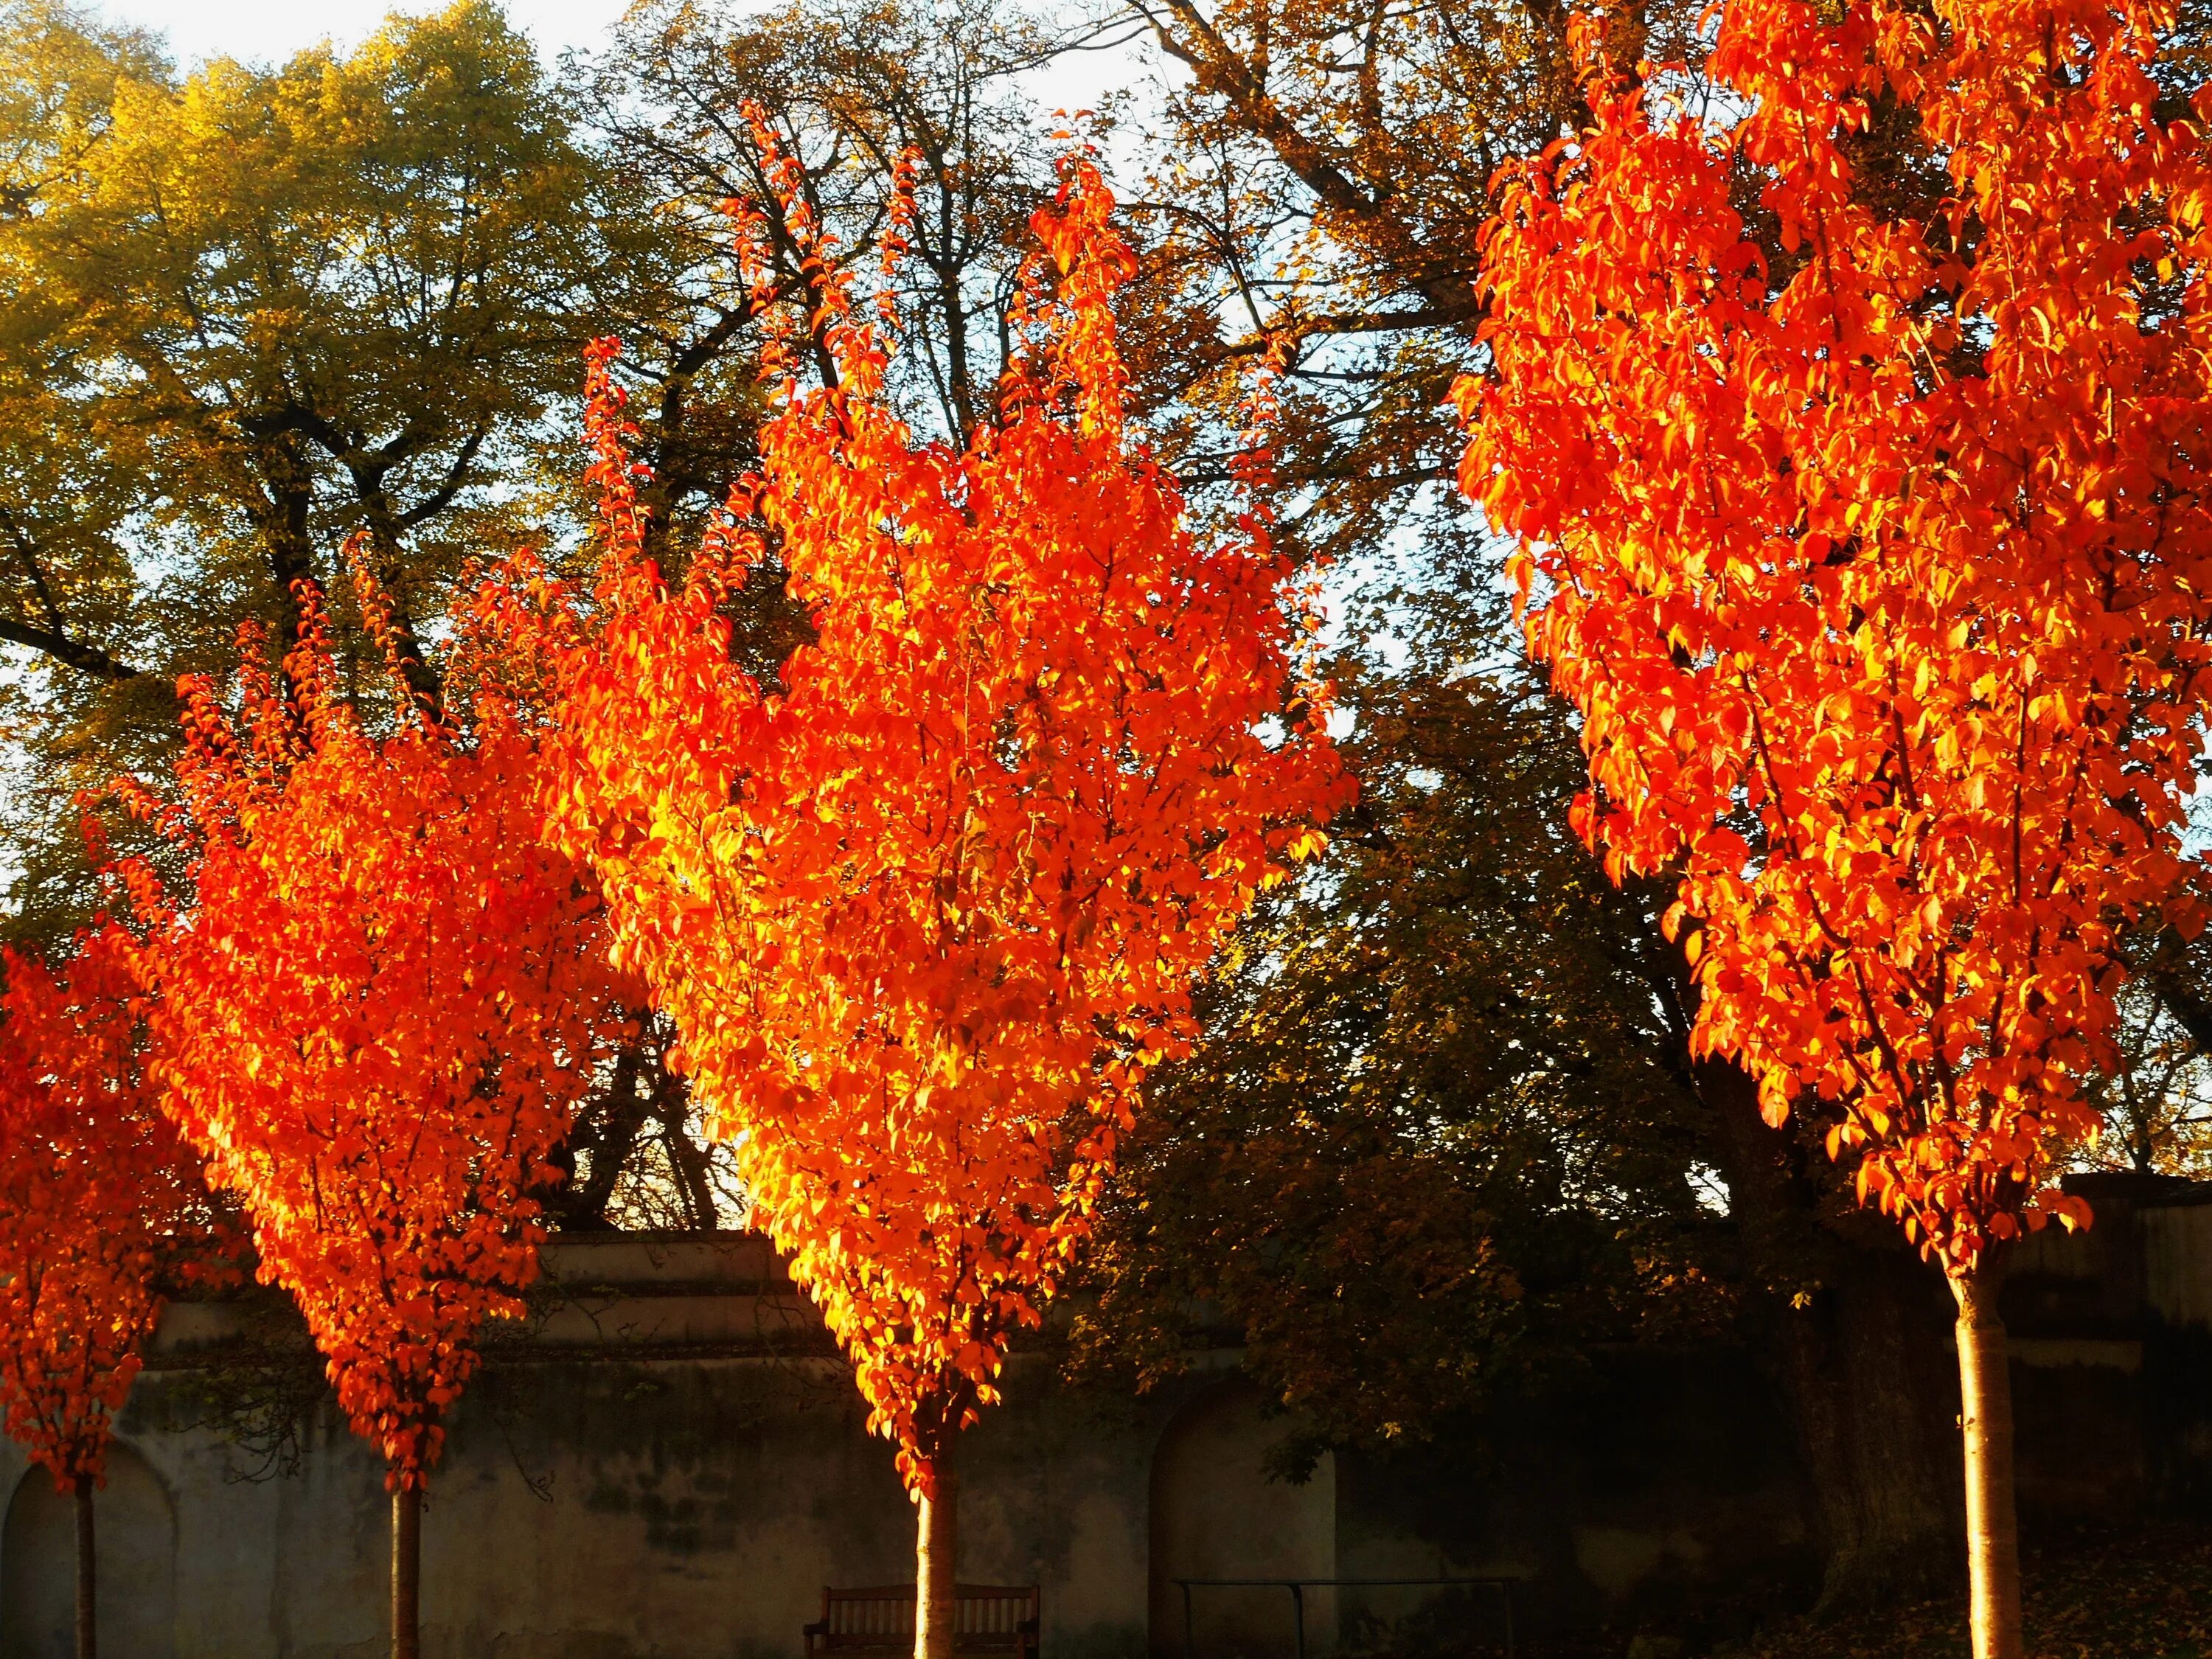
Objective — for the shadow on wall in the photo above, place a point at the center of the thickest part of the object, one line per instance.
(1215, 1513)
(137, 1530)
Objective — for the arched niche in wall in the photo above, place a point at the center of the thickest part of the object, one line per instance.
(136, 1537)
(1215, 1513)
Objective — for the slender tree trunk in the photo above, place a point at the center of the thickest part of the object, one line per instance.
(608, 1136)
(1986, 1418)
(88, 1574)
(282, 514)
(407, 1572)
(936, 1556)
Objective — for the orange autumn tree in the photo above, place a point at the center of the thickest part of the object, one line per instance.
(1880, 575)
(925, 911)
(376, 1020)
(100, 1207)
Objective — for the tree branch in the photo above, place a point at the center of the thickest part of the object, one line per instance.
(1185, 32)
(74, 654)
(53, 640)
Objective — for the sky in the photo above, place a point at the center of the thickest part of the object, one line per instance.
(269, 31)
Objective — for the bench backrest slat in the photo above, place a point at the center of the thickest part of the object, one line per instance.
(994, 1614)
(880, 1615)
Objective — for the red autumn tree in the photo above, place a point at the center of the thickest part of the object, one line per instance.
(375, 1021)
(100, 1207)
(926, 911)
(1880, 575)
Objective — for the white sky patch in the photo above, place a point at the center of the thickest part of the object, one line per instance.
(270, 32)
(1709, 1188)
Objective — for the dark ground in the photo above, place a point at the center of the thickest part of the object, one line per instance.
(2144, 1593)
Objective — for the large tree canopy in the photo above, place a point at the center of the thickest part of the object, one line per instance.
(242, 314)
(1440, 1135)
(1876, 573)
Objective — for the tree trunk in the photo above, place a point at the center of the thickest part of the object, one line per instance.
(936, 1557)
(389, 565)
(88, 1574)
(1859, 1358)
(407, 1572)
(282, 512)
(1870, 1391)
(1986, 1418)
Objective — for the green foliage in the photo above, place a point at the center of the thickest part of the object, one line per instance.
(1438, 1136)
(2157, 1102)
(242, 314)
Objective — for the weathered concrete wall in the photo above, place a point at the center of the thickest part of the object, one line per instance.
(38, 1565)
(657, 1468)
(1214, 1515)
(2111, 1337)
(1668, 1479)
(669, 1463)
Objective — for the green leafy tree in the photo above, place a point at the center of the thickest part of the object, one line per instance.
(1439, 1136)
(243, 313)
(1444, 1134)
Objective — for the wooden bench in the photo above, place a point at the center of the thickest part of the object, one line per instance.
(988, 1618)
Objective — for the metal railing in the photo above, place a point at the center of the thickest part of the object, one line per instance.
(1298, 1587)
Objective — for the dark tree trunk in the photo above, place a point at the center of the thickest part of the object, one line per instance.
(389, 569)
(407, 1572)
(283, 514)
(671, 1104)
(1857, 1346)
(1870, 1388)
(1856, 1328)
(88, 1574)
(608, 1130)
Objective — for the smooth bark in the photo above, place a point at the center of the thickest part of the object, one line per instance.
(936, 1556)
(87, 1574)
(407, 1572)
(1986, 1422)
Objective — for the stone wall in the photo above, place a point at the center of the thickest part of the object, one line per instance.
(2112, 1341)
(668, 1462)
